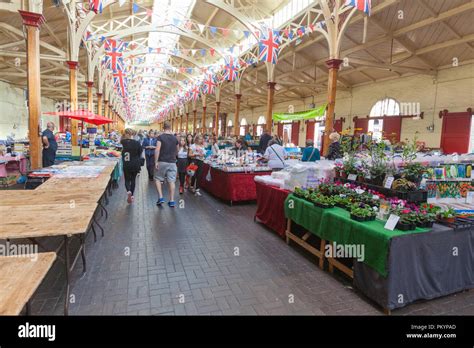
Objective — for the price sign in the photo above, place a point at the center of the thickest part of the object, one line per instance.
(456, 158)
(470, 197)
(359, 191)
(392, 222)
(352, 177)
(389, 182)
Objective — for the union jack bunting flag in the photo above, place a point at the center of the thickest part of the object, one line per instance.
(113, 53)
(195, 93)
(231, 69)
(269, 46)
(96, 5)
(361, 5)
(209, 84)
(120, 82)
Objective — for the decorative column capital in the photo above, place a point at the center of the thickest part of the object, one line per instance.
(99, 94)
(90, 83)
(271, 85)
(238, 96)
(333, 63)
(72, 64)
(218, 103)
(32, 19)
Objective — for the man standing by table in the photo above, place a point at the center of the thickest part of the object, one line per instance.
(50, 145)
(149, 144)
(167, 147)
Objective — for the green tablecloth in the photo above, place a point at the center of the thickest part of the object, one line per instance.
(336, 225)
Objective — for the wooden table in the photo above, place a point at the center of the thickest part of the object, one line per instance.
(19, 279)
(61, 207)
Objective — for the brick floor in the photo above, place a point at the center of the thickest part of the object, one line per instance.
(181, 262)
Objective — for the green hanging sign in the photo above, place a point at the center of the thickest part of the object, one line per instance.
(302, 115)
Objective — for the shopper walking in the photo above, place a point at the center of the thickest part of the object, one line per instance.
(182, 163)
(131, 154)
(149, 144)
(196, 153)
(165, 163)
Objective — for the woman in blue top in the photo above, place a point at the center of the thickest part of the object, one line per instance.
(310, 153)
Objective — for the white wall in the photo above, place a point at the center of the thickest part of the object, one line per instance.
(14, 113)
(455, 93)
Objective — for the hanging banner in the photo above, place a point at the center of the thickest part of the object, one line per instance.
(303, 115)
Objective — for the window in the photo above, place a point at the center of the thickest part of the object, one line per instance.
(260, 125)
(319, 128)
(229, 124)
(243, 124)
(287, 133)
(384, 107)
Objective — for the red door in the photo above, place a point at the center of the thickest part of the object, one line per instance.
(361, 125)
(280, 130)
(295, 132)
(310, 130)
(455, 132)
(338, 126)
(392, 128)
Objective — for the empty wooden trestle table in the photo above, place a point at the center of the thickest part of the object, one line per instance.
(60, 207)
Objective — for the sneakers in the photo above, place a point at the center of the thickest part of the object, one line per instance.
(129, 197)
(197, 192)
(171, 204)
(160, 202)
(181, 190)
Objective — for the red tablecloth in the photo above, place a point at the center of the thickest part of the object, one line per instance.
(233, 187)
(270, 207)
(11, 165)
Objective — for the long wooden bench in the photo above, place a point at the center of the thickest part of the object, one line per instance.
(19, 279)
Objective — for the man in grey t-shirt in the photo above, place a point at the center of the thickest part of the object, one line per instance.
(165, 163)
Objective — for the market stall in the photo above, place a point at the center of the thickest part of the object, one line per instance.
(392, 265)
(234, 185)
(270, 207)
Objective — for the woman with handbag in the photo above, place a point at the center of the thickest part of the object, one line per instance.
(310, 153)
(132, 161)
(275, 155)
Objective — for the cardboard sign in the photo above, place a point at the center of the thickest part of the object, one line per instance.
(389, 182)
(392, 222)
(470, 197)
(352, 177)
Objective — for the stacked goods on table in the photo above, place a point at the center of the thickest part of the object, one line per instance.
(300, 174)
(228, 161)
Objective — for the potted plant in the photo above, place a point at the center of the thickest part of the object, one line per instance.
(322, 201)
(448, 215)
(362, 213)
(407, 220)
(299, 192)
(425, 219)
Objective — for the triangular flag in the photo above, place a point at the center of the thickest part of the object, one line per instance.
(149, 12)
(236, 32)
(122, 2)
(176, 22)
(135, 8)
(213, 30)
(158, 50)
(225, 32)
(203, 52)
(212, 51)
(246, 33)
(201, 27)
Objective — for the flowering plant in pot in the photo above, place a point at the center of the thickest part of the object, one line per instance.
(408, 220)
(425, 219)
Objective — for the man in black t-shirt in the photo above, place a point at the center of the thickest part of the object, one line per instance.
(50, 145)
(165, 163)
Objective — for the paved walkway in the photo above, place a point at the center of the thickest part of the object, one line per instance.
(183, 261)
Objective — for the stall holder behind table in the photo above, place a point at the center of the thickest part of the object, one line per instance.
(415, 264)
(230, 186)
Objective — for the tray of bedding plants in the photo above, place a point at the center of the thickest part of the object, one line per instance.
(401, 188)
(454, 220)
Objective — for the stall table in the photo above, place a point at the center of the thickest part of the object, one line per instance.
(416, 264)
(19, 279)
(230, 186)
(270, 207)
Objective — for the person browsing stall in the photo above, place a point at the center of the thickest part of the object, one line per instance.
(275, 155)
(310, 153)
(50, 146)
(334, 151)
(167, 147)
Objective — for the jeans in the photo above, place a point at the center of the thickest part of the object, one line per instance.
(150, 165)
